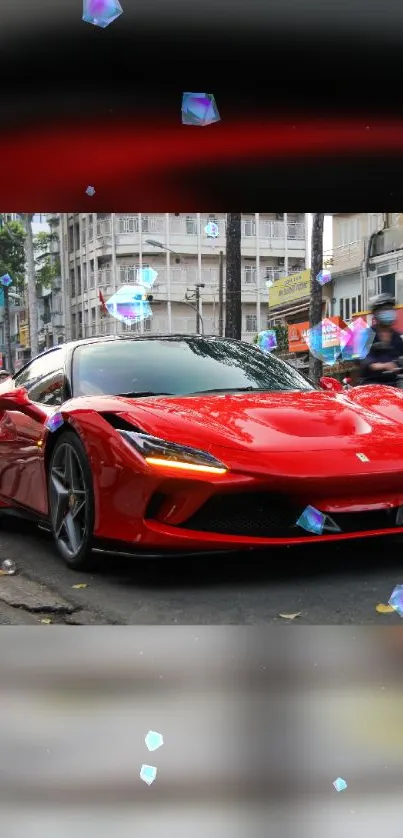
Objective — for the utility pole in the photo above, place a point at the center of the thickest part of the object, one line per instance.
(221, 295)
(315, 308)
(197, 295)
(7, 318)
(32, 301)
(233, 303)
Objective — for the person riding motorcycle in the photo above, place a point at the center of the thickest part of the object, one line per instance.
(383, 364)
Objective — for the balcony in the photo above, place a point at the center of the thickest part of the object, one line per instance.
(388, 241)
(348, 257)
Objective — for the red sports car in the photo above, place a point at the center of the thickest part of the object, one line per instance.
(191, 444)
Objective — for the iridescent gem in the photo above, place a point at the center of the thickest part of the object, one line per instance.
(8, 568)
(54, 422)
(101, 12)
(148, 774)
(154, 740)
(6, 280)
(146, 276)
(356, 340)
(324, 341)
(129, 305)
(396, 600)
(340, 784)
(267, 341)
(324, 277)
(312, 520)
(199, 109)
(211, 230)
(90, 191)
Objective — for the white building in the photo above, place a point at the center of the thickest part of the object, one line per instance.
(102, 252)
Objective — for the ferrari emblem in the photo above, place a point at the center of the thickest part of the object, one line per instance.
(363, 458)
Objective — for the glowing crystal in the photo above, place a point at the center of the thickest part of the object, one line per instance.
(148, 774)
(340, 784)
(154, 740)
(312, 520)
(101, 12)
(396, 600)
(54, 422)
(324, 277)
(269, 283)
(199, 109)
(129, 304)
(8, 568)
(267, 341)
(211, 230)
(324, 341)
(6, 280)
(90, 191)
(356, 340)
(146, 277)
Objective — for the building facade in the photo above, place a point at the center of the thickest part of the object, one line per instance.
(103, 252)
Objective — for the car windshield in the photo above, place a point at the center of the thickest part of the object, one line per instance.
(181, 366)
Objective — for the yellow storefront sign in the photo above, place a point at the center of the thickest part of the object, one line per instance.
(24, 336)
(289, 289)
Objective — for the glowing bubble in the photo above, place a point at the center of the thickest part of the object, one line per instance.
(267, 341)
(356, 340)
(269, 283)
(312, 520)
(90, 191)
(324, 277)
(54, 422)
(396, 600)
(324, 342)
(154, 740)
(146, 276)
(8, 568)
(340, 784)
(129, 304)
(101, 12)
(6, 280)
(199, 109)
(211, 230)
(148, 774)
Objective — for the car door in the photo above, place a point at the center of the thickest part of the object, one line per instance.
(22, 473)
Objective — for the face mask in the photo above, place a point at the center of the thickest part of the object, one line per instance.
(386, 318)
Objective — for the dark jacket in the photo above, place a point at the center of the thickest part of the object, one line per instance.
(381, 353)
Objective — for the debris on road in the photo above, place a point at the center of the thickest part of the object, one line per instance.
(384, 609)
(290, 616)
(8, 568)
(79, 586)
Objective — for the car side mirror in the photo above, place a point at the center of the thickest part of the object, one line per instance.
(332, 385)
(19, 400)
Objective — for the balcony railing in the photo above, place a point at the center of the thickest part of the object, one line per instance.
(348, 256)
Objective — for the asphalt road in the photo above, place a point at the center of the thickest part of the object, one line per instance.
(335, 586)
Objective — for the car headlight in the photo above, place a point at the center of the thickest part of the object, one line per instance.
(159, 452)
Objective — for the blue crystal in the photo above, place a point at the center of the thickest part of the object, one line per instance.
(146, 276)
(54, 422)
(101, 12)
(6, 280)
(199, 109)
(396, 600)
(312, 520)
(324, 341)
(324, 277)
(267, 341)
(211, 230)
(129, 305)
(154, 740)
(340, 784)
(148, 774)
(90, 191)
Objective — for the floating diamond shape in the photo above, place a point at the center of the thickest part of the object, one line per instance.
(312, 520)
(154, 740)
(267, 341)
(340, 784)
(101, 12)
(54, 422)
(148, 774)
(6, 280)
(211, 230)
(199, 109)
(356, 340)
(90, 191)
(129, 305)
(269, 283)
(396, 600)
(324, 341)
(146, 277)
(324, 277)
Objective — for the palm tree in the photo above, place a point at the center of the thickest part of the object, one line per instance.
(233, 308)
(315, 308)
(32, 301)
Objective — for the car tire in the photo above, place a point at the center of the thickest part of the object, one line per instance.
(71, 502)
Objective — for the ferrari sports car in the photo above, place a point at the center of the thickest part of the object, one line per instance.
(189, 444)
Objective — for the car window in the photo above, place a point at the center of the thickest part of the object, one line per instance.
(39, 368)
(48, 390)
(179, 366)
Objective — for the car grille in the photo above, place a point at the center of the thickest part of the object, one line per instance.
(269, 516)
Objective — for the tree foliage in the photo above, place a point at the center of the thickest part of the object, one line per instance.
(47, 268)
(12, 253)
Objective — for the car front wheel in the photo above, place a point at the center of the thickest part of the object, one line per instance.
(71, 502)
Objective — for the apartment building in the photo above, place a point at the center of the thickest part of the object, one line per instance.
(103, 252)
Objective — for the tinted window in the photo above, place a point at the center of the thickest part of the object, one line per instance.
(180, 367)
(37, 369)
(48, 390)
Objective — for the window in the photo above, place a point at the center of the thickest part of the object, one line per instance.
(359, 302)
(250, 274)
(147, 324)
(249, 228)
(341, 309)
(191, 226)
(347, 306)
(354, 305)
(251, 323)
(39, 369)
(349, 231)
(387, 284)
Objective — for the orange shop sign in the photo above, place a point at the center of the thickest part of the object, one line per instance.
(297, 333)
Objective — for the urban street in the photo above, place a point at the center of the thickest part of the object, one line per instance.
(334, 586)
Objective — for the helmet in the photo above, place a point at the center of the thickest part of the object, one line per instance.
(381, 301)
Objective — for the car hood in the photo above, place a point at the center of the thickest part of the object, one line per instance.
(305, 421)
